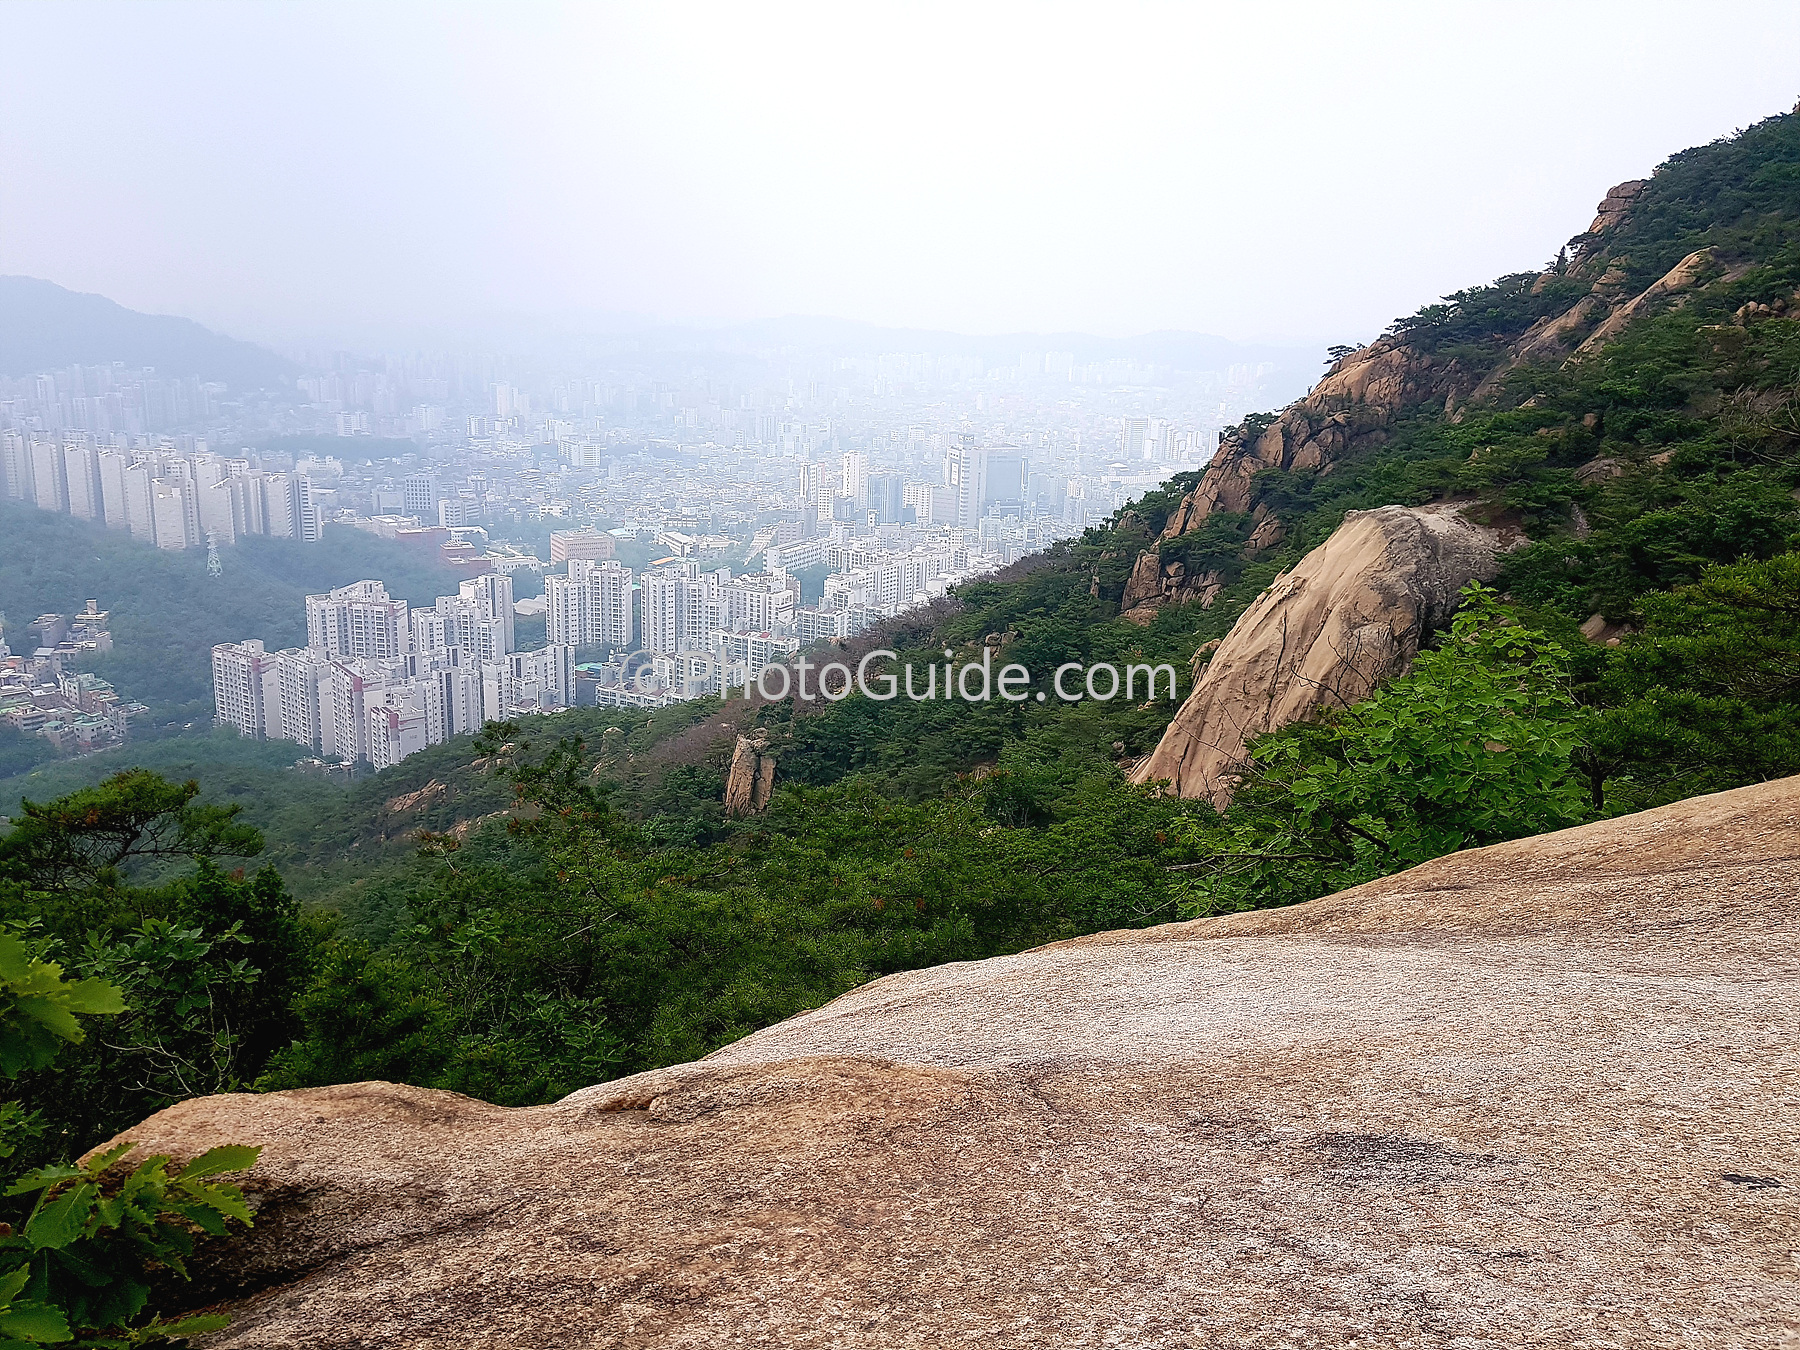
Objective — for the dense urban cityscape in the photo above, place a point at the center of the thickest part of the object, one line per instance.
(766, 514)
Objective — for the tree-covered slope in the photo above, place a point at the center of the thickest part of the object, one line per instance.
(167, 613)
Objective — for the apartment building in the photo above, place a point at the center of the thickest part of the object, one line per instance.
(358, 622)
(171, 500)
(592, 604)
(377, 682)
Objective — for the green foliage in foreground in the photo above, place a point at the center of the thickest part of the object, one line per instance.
(576, 946)
(102, 1230)
(1474, 745)
(99, 1232)
(208, 962)
(1707, 696)
(39, 1008)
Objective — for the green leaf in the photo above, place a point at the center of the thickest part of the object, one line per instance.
(224, 1158)
(36, 1324)
(53, 1016)
(204, 1217)
(229, 1202)
(95, 996)
(62, 1220)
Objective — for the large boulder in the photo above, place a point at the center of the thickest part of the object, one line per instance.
(1537, 1094)
(1351, 613)
(750, 781)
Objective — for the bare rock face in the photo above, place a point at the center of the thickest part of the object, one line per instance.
(1346, 411)
(1614, 206)
(1540, 1094)
(1145, 581)
(1350, 410)
(1684, 275)
(1352, 613)
(1154, 583)
(750, 781)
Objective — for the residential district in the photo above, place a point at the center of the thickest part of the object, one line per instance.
(701, 523)
(44, 692)
(377, 682)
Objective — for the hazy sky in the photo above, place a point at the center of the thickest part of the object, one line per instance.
(308, 171)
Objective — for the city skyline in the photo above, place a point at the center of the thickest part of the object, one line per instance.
(695, 517)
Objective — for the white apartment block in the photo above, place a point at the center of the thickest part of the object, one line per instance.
(356, 685)
(455, 703)
(138, 492)
(15, 468)
(757, 604)
(49, 478)
(688, 675)
(456, 623)
(397, 729)
(174, 515)
(303, 685)
(358, 621)
(81, 474)
(161, 497)
(543, 680)
(492, 595)
(819, 625)
(378, 682)
(245, 688)
(792, 557)
(280, 500)
(674, 605)
(221, 510)
(855, 477)
(682, 606)
(113, 464)
(591, 605)
(741, 657)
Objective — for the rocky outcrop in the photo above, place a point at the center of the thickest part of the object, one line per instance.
(1154, 583)
(1347, 410)
(750, 782)
(433, 792)
(1145, 581)
(1679, 278)
(1351, 409)
(1539, 1094)
(1349, 615)
(1614, 206)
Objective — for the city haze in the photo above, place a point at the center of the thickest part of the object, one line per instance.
(334, 174)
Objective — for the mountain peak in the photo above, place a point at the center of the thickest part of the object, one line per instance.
(45, 327)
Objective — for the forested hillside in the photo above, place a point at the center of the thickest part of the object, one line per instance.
(565, 900)
(167, 613)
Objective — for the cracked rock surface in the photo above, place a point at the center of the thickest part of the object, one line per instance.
(1541, 1094)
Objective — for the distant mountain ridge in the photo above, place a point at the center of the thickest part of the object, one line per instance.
(46, 327)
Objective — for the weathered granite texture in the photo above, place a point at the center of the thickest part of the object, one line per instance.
(1544, 1094)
